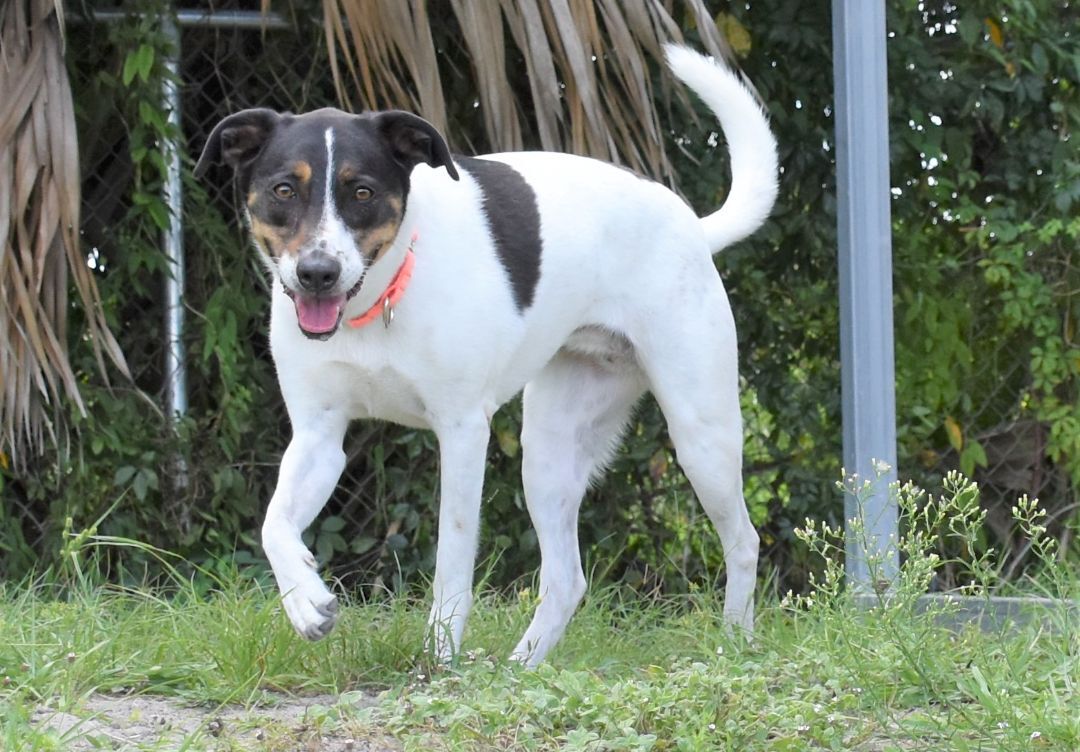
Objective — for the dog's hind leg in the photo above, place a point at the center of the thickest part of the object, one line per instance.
(309, 472)
(690, 358)
(574, 413)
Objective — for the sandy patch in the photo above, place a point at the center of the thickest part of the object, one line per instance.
(151, 722)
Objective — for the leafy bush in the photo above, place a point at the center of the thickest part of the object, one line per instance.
(986, 187)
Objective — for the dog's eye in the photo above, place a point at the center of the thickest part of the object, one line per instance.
(363, 193)
(284, 191)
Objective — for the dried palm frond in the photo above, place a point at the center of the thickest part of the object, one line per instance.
(396, 35)
(587, 63)
(39, 220)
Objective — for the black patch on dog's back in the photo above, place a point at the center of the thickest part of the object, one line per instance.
(510, 207)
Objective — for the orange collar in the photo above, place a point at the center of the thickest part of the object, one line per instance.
(385, 303)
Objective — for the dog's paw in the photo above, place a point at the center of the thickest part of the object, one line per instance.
(443, 641)
(312, 609)
(739, 621)
(312, 615)
(438, 646)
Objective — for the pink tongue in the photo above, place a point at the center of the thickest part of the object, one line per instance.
(318, 315)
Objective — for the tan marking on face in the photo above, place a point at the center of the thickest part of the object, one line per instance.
(295, 242)
(377, 241)
(302, 171)
(346, 173)
(264, 236)
(277, 241)
(252, 197)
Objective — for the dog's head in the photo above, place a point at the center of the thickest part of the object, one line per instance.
(325, 195)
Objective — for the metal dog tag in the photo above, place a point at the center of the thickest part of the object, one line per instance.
(387, 313)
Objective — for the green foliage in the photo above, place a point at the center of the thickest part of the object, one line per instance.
(983, 114)
(197, 489)
(988, 184)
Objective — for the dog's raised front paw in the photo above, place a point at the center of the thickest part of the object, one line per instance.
(313, 618)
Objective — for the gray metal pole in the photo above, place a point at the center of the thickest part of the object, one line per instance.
(216, 19)
(865, 258)
(173, 243)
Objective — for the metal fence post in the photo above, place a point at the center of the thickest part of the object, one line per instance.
(865, 259)
(173, 245)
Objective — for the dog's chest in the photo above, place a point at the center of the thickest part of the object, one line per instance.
(382, 393)
(351, 389)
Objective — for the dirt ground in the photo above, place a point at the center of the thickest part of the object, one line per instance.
(283, 723)
(147, 722)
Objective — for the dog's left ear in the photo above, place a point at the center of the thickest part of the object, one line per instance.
(414, 140)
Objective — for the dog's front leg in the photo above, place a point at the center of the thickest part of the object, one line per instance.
(309, 472)
(462, 455)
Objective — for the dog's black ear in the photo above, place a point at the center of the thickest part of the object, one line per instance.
(414, 140)
(238, 139)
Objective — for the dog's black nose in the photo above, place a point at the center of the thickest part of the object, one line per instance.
(318, 272)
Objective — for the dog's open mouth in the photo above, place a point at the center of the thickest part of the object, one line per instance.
(320, 315)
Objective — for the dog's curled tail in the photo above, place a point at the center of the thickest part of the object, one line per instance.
(750, 143)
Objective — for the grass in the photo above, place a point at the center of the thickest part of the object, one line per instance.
(632, 672)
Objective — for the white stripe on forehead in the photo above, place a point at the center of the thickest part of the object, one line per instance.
(332, 230)
(329, 135)
(329, 211)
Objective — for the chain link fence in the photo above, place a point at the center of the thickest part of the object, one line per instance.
(285, 66)
(225, 64)
(1013, 442)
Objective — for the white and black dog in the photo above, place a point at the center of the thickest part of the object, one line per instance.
(428, 289)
